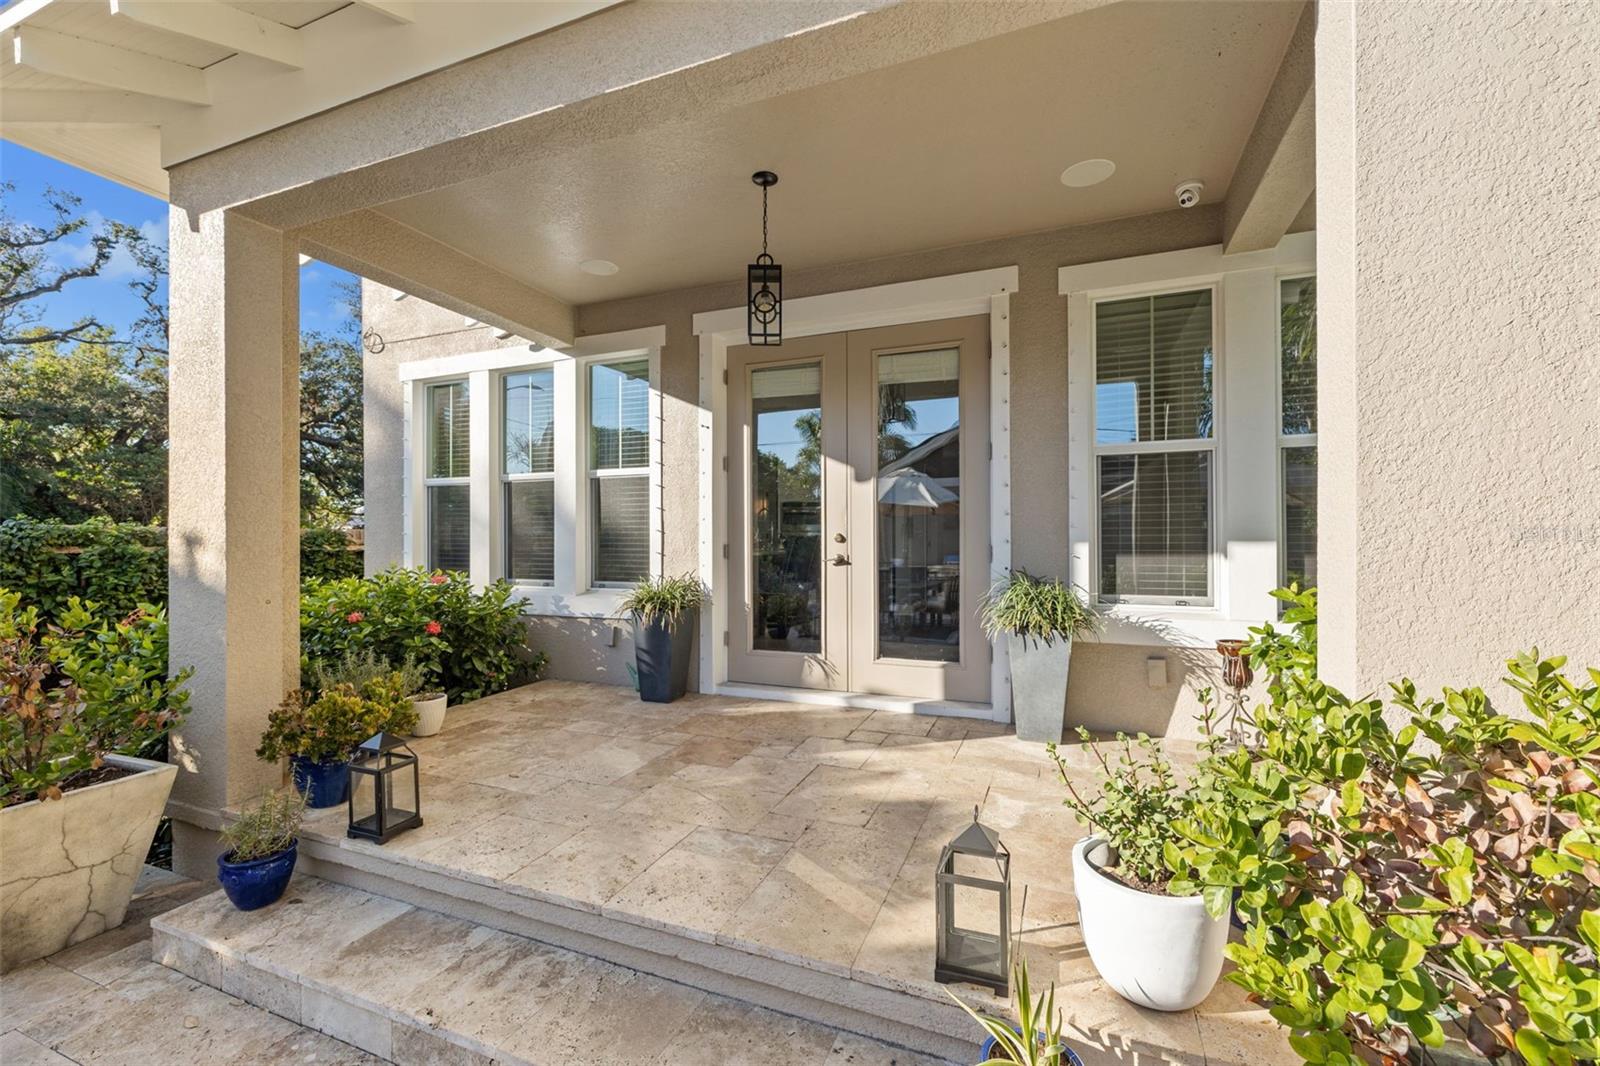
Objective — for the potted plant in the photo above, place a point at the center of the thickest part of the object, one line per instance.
(1153, 945)
(261, 847)
(362, 667)
(665, 611)
(1004, 1044)
(1038, 617)
(317, 731)
(77, 817)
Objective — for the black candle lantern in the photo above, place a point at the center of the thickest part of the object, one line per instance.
(976, 862)
(384, 794)
(765, 280)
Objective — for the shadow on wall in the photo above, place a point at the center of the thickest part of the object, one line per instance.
(580, 649)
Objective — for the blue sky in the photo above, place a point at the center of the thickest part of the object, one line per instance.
(107, 296)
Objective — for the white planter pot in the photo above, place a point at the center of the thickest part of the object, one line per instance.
(430, 716)
(71, 863)
(1039, 687)
(1163, 952)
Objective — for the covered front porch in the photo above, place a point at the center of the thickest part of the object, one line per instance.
(782, 853)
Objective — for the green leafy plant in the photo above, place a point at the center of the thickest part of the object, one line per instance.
(266, 828)
(116, 565)
(1038, 1017)
(663, 599)
(360, 667)
(1039, 609)
(1404, 869)
(327, 726)
(77, 692)
(466, 643)
(1136, 809)
(326, 554)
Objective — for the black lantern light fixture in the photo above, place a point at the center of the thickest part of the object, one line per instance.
(976, 863)
(384, 794)
(765, 279)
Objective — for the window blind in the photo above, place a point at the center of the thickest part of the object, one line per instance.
(1155, 526)
(620, 510)
(1154, 368)
(1297, 301)
(449, 527)
(1300, 516)
(449, 419)
(530, 428)
(619, 415)
(530, 530)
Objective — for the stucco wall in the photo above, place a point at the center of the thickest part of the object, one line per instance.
(1460, 494)
(1109, 686)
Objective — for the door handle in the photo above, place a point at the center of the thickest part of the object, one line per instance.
(841, 560)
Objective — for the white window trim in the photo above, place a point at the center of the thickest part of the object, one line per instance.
(1246, 522)
(506, 479)
(589, 474)
(570, 596)
(428, 480)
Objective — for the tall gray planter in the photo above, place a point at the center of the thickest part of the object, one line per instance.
(1039, 687)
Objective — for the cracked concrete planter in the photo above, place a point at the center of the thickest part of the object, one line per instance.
(70, 864)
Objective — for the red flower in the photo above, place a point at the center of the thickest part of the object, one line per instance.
(354, 617)
(433, 629)
(438, 579)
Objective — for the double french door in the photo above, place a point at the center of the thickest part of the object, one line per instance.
(858, 467)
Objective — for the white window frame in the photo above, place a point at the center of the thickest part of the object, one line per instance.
(1287, 440)
(1160, 447)
(571, 594)
(1246, 491)
(508, 479)
(428, 480)
(591, 474)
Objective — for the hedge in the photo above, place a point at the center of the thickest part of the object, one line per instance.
(121, 565)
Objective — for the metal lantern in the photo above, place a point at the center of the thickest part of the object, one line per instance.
(978, 863)
(1236, 677)
(384, 796)
(765, 280)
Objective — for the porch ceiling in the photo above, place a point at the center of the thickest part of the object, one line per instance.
(957, 147)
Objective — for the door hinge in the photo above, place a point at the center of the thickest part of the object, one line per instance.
(991, 553)
(724, 551)
(724, 464)
(991, 451)
(724, 638)
(724, 377)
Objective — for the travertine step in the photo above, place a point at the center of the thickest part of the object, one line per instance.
(416, 986)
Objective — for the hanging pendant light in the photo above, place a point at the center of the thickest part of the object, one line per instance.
(765, 279)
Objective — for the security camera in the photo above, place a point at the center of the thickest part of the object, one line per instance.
(1189, 193)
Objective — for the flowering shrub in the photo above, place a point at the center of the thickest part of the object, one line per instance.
(1438, 865)
(468, 644)
(79, 692)
(327, 726)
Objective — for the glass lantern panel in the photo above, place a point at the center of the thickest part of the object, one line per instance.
(363, 798)
(400, 791)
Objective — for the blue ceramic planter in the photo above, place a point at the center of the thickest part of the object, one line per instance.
(325, 784)
(987, 1051)
(254, 884)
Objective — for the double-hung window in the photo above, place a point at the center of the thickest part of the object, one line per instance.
(1297, 440)
(619, 471)
(448, 486)
(1155, 445)
(528, 473)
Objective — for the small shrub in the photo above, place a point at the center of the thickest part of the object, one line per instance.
(467, 644)
(1036, 608)
(326, 554)
(1136, 809)
(266, 828)
(327, 726)
(77, 693)
(663, 599)
(360, 667)
(1036, 1015)
(115, 565)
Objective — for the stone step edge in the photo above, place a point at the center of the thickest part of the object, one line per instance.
(891, 1017)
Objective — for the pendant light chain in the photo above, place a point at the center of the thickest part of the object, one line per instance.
(764, 219)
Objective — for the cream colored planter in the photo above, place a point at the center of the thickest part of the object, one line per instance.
(430, 716)
(1163, 952)
(68, 866)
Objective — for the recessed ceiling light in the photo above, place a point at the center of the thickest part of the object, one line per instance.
(1087, 173)
(601, 268)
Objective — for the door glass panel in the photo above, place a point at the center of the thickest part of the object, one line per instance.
(919, 506)
(786, 502)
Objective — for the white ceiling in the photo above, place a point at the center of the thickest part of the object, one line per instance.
(957, 147)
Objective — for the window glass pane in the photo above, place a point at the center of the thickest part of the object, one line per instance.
(530, 530)
(1297, 299)
(919, 506)
(530, 429)
(619, 415)
(786, 518)
(449, 527)
(449, 453)
(1300, 516)
(1153, 368)
(620, 507)
(1155, 526)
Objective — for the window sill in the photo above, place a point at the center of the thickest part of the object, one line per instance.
(593, 603)
(1154, 626)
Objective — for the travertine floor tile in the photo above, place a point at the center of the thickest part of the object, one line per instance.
(594, 865)
(701, 882)
(836, 794)
(498, 848)
(736, 1034)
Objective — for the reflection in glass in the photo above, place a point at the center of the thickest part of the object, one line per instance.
(919, 506)
(1300, 516)
(1155, 528)
(1153, 368)
(786, 500)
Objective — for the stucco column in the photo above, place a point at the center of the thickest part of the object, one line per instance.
(1459, 338)
(234, 509)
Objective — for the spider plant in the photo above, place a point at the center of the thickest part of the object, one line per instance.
(662, 599)
(1037, 608)
(1037, 1017)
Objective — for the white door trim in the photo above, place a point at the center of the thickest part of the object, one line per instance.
(925, 300)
